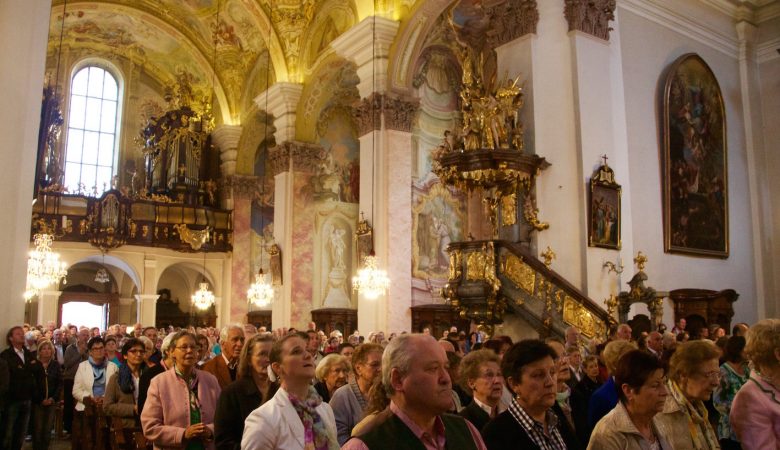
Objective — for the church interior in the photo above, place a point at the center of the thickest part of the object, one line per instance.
(392, 165)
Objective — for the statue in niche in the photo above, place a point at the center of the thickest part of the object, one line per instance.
(336, 291)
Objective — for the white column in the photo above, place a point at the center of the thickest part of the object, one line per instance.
(48, 306)
(367, 44)
(281, 101)
(226, 137)
(763, 258)
(24, 29)
(146, 309)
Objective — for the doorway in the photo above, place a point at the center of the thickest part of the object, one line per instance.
(83, 313)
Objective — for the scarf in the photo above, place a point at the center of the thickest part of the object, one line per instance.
(126, 384)
(315, 434)
(192, 391)
(98, 377)
(702, 435)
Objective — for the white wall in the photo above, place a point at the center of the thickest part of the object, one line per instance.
(24, 28)
(647, 49)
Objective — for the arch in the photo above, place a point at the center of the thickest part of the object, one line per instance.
(190, 271)
(334, 81)
(114, 261)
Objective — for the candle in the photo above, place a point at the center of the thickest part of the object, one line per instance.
(65, 222)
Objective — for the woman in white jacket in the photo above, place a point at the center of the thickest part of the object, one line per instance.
(93, 374)
(296, 417)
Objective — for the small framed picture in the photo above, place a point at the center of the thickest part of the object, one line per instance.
(604, 212)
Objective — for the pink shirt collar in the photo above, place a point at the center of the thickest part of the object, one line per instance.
(435, 442)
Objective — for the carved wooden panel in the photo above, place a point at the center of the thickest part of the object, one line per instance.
(330, 319)
(712, 306)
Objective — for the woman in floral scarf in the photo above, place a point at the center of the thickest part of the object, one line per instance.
(693, 375)
(296, 417)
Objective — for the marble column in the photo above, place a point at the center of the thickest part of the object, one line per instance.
(24, 29)
(384, 123)
(242, 189)
(48, 306)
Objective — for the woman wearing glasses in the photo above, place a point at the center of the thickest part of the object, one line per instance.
(481, 377)
(694, 374)
(122, 390)
(179, 409)
(296, 417)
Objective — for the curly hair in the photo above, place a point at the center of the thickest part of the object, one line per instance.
(763, 340)
(689, 356)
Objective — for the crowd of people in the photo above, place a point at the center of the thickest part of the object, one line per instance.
(244, 388)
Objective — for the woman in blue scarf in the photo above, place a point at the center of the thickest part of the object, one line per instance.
(122, 390)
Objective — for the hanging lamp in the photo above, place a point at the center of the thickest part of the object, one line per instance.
(101, 276)
(370, 281)
(203, 298)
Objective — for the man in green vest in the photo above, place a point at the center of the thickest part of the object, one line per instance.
(415, 377)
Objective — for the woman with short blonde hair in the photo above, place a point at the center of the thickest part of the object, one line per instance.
(755, 411)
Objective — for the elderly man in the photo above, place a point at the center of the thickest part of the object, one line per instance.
(655, 344)
(350, 401)
(414, 374)
(225, 366)
(74, 355)
(151, 333)
(137, 329)
(623, 332)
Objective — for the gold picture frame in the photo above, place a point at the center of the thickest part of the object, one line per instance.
(694, 160)
(604, 213)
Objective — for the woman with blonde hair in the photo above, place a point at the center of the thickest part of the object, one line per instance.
(755, 411)
(43, 411)
(694, 373)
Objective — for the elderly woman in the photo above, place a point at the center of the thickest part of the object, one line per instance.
(349, 401)
(179, 409)
(296, 417)
(481, 377)
(605, 398)
(733, 374)
(531, 371)
(43, 409)
(333, 372)
(755, 411)
(639, 378)
(122, 390)
(693, 376)
(247, 393)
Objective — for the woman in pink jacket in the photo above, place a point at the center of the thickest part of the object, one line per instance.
(179, 409)
(755, 411)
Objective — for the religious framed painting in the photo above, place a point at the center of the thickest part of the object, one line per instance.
(604, 218)
(694, 159)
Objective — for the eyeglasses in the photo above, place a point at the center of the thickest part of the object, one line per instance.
(490, 376)
(715, 375)
(137, 351)
(97, 348)
(187, 348)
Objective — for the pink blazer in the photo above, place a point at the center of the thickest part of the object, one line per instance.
(755, 415)
(166, 413)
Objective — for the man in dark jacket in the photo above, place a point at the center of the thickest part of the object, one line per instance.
(25, 375)
(74, 355)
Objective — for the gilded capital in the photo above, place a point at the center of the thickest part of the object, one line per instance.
(399, 113)
(295, 156)
(513, 19)
(590, 16)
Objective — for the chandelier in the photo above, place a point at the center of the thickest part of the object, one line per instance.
(371, 281)
(260, 293)
(203, 298)
(44, 267)
(101, 276)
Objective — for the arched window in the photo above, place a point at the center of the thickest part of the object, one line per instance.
(92, 131)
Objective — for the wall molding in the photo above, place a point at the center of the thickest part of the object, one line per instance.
(767, 51)
(662, 15)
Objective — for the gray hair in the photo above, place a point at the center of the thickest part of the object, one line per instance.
(165, 347)
(223, 334)
(398, 355)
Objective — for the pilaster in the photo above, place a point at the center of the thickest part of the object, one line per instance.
(763, 258)
(146, 309)
(227, 138)
(243, 190)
